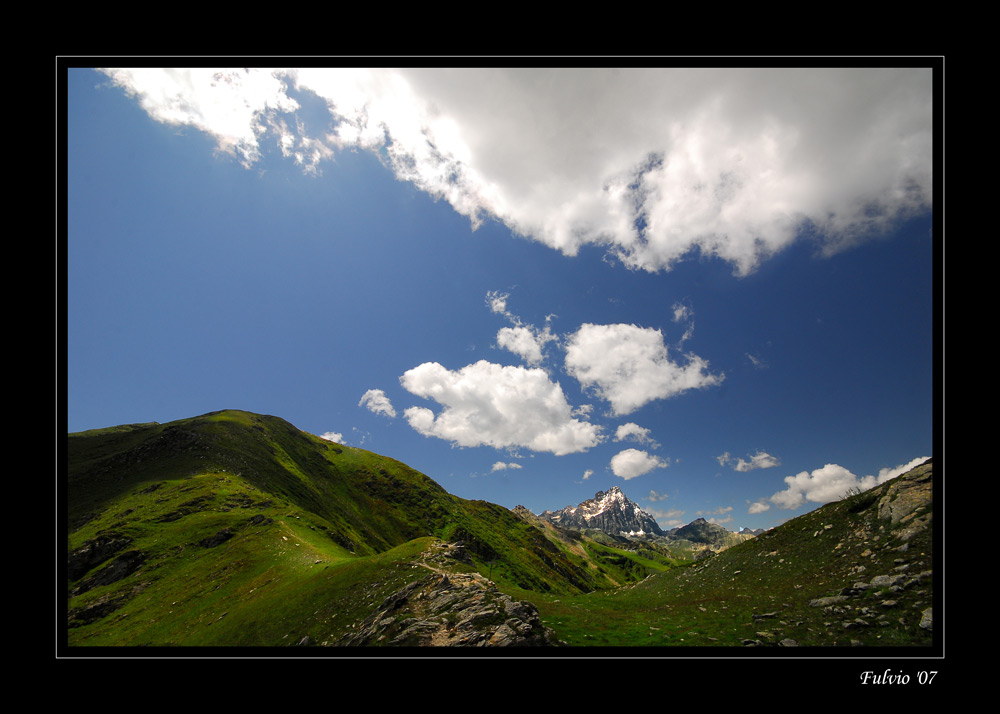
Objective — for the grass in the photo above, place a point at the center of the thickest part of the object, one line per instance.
(253, 533)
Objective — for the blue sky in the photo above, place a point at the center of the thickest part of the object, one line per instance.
(713, 289)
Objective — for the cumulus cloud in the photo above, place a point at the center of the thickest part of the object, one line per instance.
(630, 463)
(587, 474)
(333, 436)
(629, 366)
(523, 341)
(501, 466)
(657, 163)
(376, 401)
(527, 341)
(760, 460)
(831, 483)
(759, 507)
(635, 433)
(499, 406)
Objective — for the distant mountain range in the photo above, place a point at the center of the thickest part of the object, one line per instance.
(614, 514)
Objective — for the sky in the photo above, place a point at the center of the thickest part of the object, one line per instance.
(713, 288)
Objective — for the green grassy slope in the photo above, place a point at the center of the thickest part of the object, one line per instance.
(238, 528)
(877, 575)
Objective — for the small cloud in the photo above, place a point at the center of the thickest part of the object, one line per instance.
(668, 519)
(635, 433)
(501, 466)
(759, 507)
(587, 474)
(630, 463)
(721, 510)
(377, 402)
(654, 496)
(757, 362)
(497, 302)
(760, 460)
(333, 436)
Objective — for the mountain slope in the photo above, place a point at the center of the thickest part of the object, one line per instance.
(235, 528)
(202, 530)
(856, 572)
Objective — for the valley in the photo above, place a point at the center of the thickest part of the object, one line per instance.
(235, 529)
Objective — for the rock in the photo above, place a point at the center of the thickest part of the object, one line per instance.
(94, 552)
(455, 610)
(927, 619)
(826, 601)
(217, 539)
(121, 567)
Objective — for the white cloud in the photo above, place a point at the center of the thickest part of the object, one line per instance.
(494, 405)
(654, 496)
(656, 164)
(760, 460)
(629, 366)
(587, 474)
(333, 436)
(376, 401)
(759, 507)
(631, 463)
(233, 105)
(831, 483)
(527, 341)
(522, 341)
(721, 510)
(636, 433)
(667, 519)
(501, 466)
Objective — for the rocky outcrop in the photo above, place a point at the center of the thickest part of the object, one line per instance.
(118, 569)
(451, 610)
(94, 552)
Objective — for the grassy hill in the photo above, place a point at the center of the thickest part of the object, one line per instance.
(237, 529)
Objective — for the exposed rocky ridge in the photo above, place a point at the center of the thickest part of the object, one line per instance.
(610, 511)
(451, 610)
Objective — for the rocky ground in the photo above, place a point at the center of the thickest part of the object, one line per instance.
(451, 610)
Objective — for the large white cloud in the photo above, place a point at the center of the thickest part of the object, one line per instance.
(629, 366)
(651, 163)
(631, 463)
(831, 483)
(500, 406)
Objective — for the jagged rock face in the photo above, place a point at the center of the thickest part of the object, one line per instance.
(609, 511)
(452, 610)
